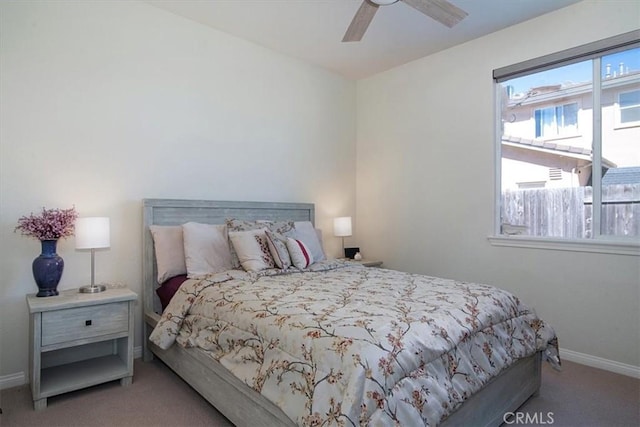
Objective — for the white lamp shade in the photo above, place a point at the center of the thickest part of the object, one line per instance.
(342, 226)
(92, 233)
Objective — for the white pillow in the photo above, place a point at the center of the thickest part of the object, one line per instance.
(301, 256)
(304, 231)
(168, 245)
(252, 249)
(278, 248)
(206, 249)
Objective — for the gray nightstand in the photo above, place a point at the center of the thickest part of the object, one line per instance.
(79, 340)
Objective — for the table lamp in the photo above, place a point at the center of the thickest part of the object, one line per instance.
(342, 228)
(92, 233)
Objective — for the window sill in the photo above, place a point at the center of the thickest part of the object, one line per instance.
(616, 247)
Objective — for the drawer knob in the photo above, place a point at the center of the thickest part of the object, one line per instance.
(87, 323)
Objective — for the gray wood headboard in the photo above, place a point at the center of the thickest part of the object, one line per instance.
(177, 212)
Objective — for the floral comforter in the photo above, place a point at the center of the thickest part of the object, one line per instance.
(345, 344)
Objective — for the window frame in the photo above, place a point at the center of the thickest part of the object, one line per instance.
(593, 51)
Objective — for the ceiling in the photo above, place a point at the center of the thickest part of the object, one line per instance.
(312, 30)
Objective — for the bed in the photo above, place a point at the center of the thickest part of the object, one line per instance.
(516, 381)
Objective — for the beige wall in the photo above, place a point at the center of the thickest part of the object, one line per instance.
(425, 183)
(106, 103)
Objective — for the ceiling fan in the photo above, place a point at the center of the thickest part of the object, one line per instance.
(440, 10)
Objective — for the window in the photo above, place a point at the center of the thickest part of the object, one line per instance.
(629, 106)
(552, 122)
(552, 181)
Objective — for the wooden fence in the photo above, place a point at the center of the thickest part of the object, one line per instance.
(568, 212)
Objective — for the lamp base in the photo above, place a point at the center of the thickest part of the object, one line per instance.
(92, 289)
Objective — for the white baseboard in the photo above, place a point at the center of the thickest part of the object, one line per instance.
(12, 380)
(19, 378)
(600, 363)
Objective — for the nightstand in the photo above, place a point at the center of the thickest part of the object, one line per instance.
(369, 263)
(79, 340)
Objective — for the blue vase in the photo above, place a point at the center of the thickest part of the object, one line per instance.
(47, 269)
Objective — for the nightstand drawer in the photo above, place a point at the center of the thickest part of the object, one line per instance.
(84, 322)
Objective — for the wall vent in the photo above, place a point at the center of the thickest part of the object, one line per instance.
(555, 174)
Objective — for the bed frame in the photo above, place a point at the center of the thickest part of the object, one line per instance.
(235, 400)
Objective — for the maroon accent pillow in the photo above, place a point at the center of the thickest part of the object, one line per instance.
(166, 291)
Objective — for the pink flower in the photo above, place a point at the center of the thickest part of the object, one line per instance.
(52, 224)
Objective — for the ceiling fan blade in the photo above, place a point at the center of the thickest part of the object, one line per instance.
(440, 10)
(360, 22)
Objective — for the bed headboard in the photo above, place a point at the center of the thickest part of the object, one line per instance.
(176, 212)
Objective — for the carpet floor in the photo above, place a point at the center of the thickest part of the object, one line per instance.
(577, 396)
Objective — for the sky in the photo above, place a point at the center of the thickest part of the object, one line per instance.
(576, 73)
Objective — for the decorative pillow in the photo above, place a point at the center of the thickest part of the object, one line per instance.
(301, 257)
(283, 227)
(252, 249)
(234, 224)
(319, 235)
(278, 248)
(169, 248)
(304, 231)
(167, 290)
(206, 249)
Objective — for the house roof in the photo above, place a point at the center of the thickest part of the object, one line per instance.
(626, 175)
(538, 143)
(552, 148)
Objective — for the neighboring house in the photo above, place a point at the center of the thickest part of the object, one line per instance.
(548, 132)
